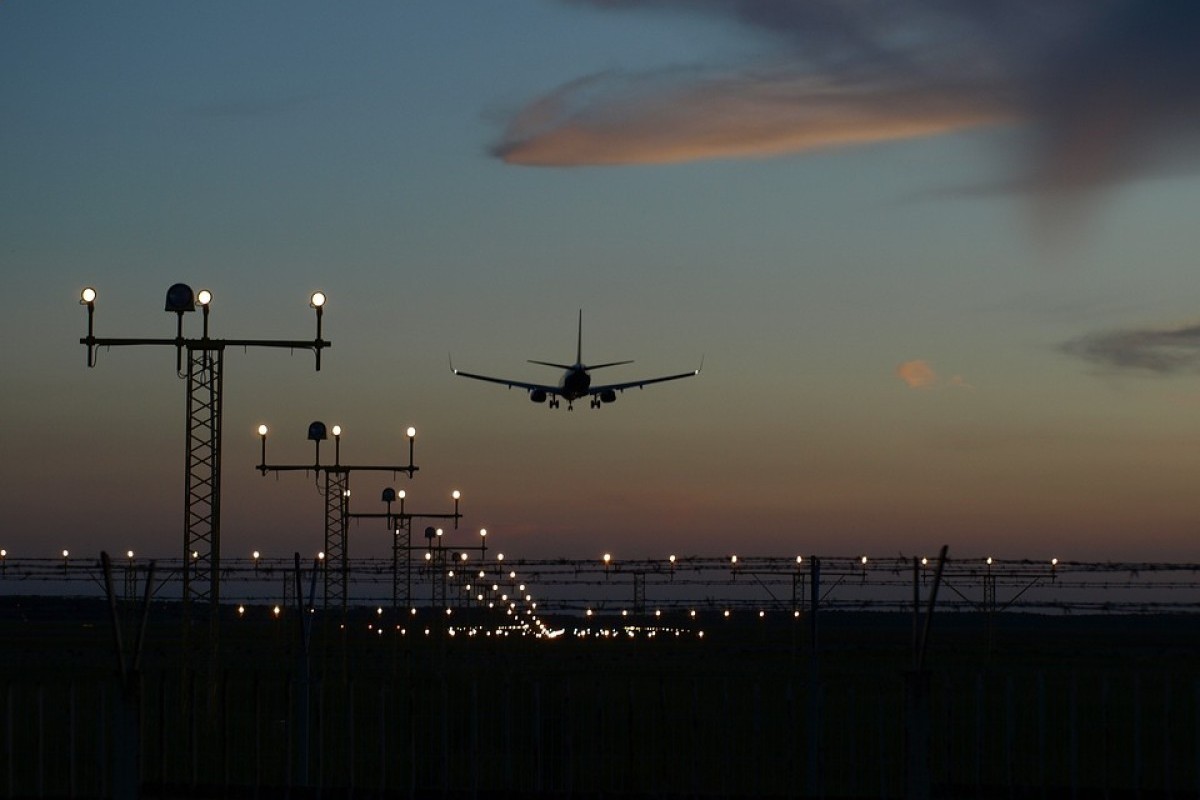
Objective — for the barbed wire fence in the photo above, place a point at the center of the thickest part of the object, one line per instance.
(764, 585)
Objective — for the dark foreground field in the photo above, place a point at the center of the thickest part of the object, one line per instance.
(1015, 706)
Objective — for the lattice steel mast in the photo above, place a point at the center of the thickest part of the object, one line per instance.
(202, 463)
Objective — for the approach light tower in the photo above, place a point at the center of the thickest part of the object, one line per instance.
(337, 501)
(400, 524)
(202, 491)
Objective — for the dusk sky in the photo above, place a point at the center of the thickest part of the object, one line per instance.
(938, 258)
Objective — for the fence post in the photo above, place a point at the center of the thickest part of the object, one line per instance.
(7, 738)
(41, 742)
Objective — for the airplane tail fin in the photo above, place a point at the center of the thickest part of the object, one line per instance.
(578, 354)
(579, 350)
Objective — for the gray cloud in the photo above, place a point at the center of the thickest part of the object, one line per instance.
(1106, 87)
(1163, 351)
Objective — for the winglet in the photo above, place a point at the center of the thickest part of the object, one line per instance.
(701, 364)
(451, 360)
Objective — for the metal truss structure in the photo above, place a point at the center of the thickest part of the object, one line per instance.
(200, 570)
(202, 491)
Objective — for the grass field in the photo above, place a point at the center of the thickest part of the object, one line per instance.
(1018, 705)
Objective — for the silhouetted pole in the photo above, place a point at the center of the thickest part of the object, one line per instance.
(814, 564)
(918, 785)
(126, 728)
(301, 712)
(813, 774)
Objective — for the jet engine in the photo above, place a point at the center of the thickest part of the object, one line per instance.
(608, 396)
(538, 395)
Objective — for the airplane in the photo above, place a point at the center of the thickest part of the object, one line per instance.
(576, 382)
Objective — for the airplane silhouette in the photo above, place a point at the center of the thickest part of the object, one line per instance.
(576, 382)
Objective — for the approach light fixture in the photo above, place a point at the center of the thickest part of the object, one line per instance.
(317, 301)
(180, 299)
(262, 435)
(317, 433)
(204, 300)
(88, 298)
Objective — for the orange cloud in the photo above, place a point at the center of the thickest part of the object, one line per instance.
(610, 119)
(918, 374)
(1106, 90)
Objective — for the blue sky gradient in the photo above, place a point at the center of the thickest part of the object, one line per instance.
(918, 340)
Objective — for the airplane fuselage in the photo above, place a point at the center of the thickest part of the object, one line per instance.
(575, 383)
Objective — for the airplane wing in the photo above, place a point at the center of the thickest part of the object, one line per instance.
(620, 387)
(551, 391)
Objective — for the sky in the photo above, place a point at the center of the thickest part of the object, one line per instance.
(937, 259)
